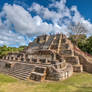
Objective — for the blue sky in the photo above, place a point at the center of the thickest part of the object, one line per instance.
(84, 6)
(22, 20)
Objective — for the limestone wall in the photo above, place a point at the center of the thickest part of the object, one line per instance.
(54, 74)
(87, 65)
(2, 64)
(72, 59)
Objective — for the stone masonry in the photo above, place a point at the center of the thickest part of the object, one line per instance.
(48, 57)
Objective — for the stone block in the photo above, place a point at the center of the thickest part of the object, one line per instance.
(77, 68)
(72, 59)
(37, 76)
(66, 52)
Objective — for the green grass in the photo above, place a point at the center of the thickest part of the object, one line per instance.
(6, 79)
(79, 82)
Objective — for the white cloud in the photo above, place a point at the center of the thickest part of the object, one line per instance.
(24, 23)
(77, 17)
(44, 12)
(55, 16)
(9, 38)
(59, 4)
(21, 21)
(62, 17)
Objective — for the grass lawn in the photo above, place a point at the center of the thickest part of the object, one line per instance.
(79, 82)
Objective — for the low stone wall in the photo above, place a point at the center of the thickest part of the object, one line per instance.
(54, 74)
(2, 64)
(87, 65)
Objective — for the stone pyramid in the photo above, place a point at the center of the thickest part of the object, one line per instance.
(48, 57)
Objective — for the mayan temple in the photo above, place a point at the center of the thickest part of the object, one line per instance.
(48, 57)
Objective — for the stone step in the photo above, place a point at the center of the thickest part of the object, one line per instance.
(22, 78)
(22, 68)
(65, 46)
(18, 70)
(72, 59)
(66, 52)
(23, 73)
(47, 44)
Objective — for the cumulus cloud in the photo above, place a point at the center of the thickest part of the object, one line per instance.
(55, 16)
(7, 37)
(19, 22)
(77, 17)
(43, 12)
(62, 17)
(24, 23)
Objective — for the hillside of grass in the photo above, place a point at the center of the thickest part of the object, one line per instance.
(79, 82)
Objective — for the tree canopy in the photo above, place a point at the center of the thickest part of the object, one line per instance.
(84, 43)
(4, 50)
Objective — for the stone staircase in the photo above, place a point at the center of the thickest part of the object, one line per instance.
(54, 45)
(66, 48)
(38, 74)
(68, 54)
(49, 41)
(85, 60)
(20, 71)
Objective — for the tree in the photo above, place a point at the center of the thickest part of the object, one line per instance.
(4, 50)
(77, 31)
(76, 40)
(89, 45)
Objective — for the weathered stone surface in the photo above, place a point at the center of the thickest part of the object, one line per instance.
(72, 59)
(77, 68)
(50, 57)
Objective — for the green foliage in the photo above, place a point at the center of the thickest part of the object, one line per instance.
(77, 38)
(84, 43)
(89, 45)
(4, 50)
